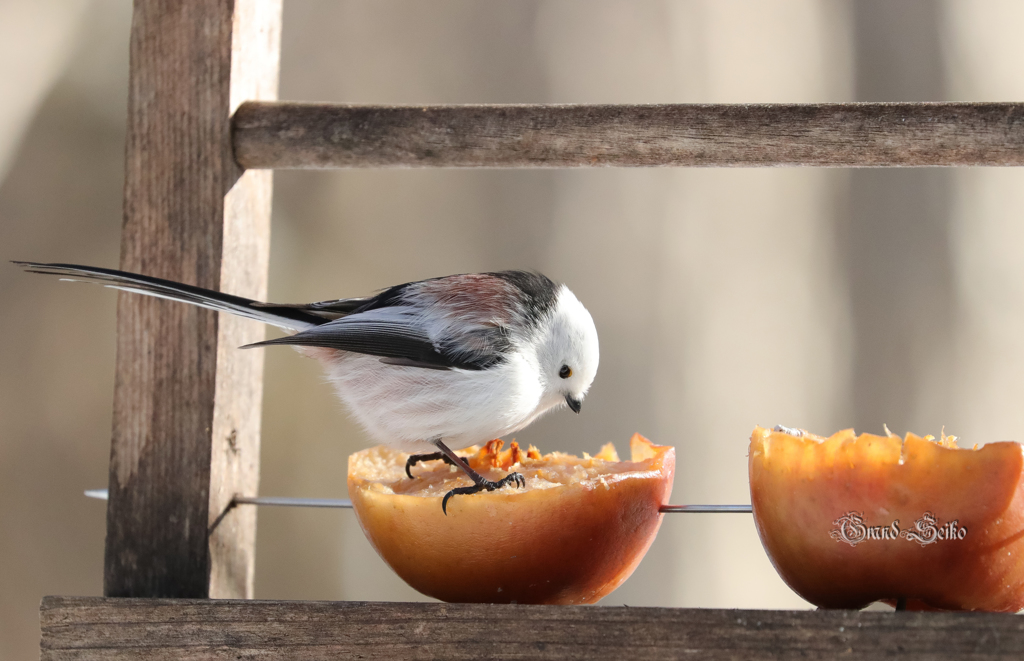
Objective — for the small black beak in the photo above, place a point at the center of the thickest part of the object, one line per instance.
(574, 404)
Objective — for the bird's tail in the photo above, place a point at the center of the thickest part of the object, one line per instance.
(282, 316)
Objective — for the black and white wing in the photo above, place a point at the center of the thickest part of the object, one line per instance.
(404, 335)
(460, 321)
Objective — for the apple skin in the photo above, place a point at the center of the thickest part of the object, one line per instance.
(814, 498)
(571, 544)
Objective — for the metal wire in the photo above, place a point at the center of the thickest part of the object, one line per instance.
(344, 503)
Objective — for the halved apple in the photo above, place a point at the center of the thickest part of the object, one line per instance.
(849, 520)
(575, 532)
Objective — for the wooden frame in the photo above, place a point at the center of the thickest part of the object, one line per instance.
(186, 413)
(186, 403)
(316, 135)
(158, 629)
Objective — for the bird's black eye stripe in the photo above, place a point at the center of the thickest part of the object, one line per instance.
(565, 372)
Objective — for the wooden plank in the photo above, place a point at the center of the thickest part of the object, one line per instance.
(307, 135)
(76, 628)
(186, 402)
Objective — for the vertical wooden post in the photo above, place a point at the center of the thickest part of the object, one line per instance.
(186, 401)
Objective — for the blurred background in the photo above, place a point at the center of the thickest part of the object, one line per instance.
(813, 298)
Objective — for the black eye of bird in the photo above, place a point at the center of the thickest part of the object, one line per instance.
(565, 372)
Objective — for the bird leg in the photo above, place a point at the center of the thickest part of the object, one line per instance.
(481, 482)
(433, 456)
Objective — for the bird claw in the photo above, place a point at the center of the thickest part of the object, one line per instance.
(486, 485)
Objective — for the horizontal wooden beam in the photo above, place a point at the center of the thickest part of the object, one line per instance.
(157, 629)
(308, 135)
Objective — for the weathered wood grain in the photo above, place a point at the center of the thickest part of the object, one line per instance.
(186, 402)
(307, 135)
(97, 628)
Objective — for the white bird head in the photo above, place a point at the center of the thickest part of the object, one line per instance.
(567, 351)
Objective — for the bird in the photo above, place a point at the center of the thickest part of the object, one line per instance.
(427, 367)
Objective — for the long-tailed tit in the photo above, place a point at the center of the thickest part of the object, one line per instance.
(435, 365)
